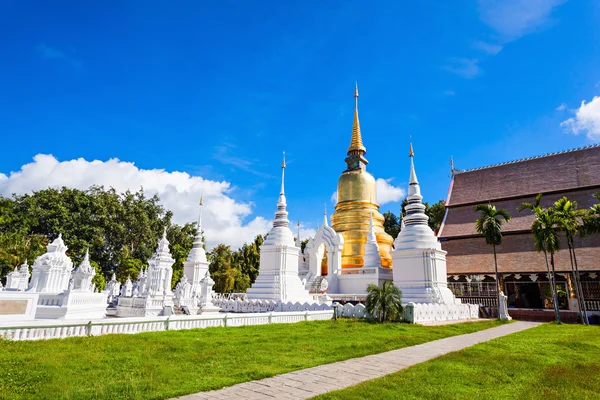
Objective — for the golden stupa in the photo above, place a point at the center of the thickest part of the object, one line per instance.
(356, 198)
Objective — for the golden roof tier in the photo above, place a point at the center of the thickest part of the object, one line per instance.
(356, 200)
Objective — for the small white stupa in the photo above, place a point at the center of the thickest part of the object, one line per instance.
(372, 258)
(19, 278)
(278, 278)
(419, 263)
(152, 295)
(113, 289)
(83, 275)
(51, 271)
(196, 264)
(63, 292)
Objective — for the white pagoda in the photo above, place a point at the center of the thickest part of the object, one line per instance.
(152, 296)
(64, 293)
(278, 278)
(19, 278)
(419, 263)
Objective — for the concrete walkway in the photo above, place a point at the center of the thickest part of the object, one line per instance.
(306, 383)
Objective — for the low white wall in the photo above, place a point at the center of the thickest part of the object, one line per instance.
(417, 313)
(53, 329)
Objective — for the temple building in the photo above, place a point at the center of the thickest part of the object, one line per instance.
(523, 274)
(356, 201)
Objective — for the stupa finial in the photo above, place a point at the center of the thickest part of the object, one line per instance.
(282, 174)
(356, 144)
(411, 153)
(325, 222)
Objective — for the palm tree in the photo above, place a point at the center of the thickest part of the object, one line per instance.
(489, 224)
(384, 303)
(545, 239)
(569, 219)
(591, 221)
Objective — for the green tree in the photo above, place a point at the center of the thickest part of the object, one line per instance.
(545, 238)
(384, 303)
(489, 224)
(221, 269)
(591, 220)
(569, 221)
(391, 224)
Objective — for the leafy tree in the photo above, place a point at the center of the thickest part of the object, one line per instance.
(489, 224)
(569, 221)
(591, 220)
(221, 270)
(385, 302)
(129, 268)
(391, 224)
(545, 238)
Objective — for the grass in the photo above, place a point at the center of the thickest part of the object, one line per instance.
(547, 362)
(166, 364)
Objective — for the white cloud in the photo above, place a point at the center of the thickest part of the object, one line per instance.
(489, 48)
(561, 107)
(386, 193)
(512, 19)
(223, 217)
(465, 67)
(586, 119)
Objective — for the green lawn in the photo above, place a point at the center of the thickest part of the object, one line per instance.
(166, 364)
(547, 362)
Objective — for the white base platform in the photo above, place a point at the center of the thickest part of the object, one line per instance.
(145, 306)
(71, 305)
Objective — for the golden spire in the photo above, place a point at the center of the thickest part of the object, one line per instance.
(283, 162)
(411, 153)
(356, 144)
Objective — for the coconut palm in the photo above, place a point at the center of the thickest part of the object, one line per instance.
(489, 224)
(569, 219)
(591, 221)
(385, 302)
(545, 238)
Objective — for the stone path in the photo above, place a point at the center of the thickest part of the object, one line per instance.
(306, 383)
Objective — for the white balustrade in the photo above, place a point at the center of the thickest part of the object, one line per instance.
(53, 329)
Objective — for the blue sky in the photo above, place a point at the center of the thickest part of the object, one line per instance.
(219, 89)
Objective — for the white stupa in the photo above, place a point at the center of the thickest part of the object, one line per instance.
(65, 293)
(419, 263)
(51, 271)
(152, 295)
(196, 264)
(19, 278)
(372, 258)
(278, 278)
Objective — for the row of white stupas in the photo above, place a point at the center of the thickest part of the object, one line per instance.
(286, 276)
(418, 261)
(61, 292)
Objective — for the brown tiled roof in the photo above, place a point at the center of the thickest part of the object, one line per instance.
(460, 220)
(516, 254)
(562, 171)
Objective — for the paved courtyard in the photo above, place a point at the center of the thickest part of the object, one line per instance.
(310, 382)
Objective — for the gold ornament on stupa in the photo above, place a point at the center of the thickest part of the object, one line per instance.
(356, 199)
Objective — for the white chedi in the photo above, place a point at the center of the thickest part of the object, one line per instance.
(83, 275)
(19, 278)
(419, 263)
(51, 272)
(113, 289)
(183, 290)
(278, 278)
(372, 258)
(127, 288)
(160, 271)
